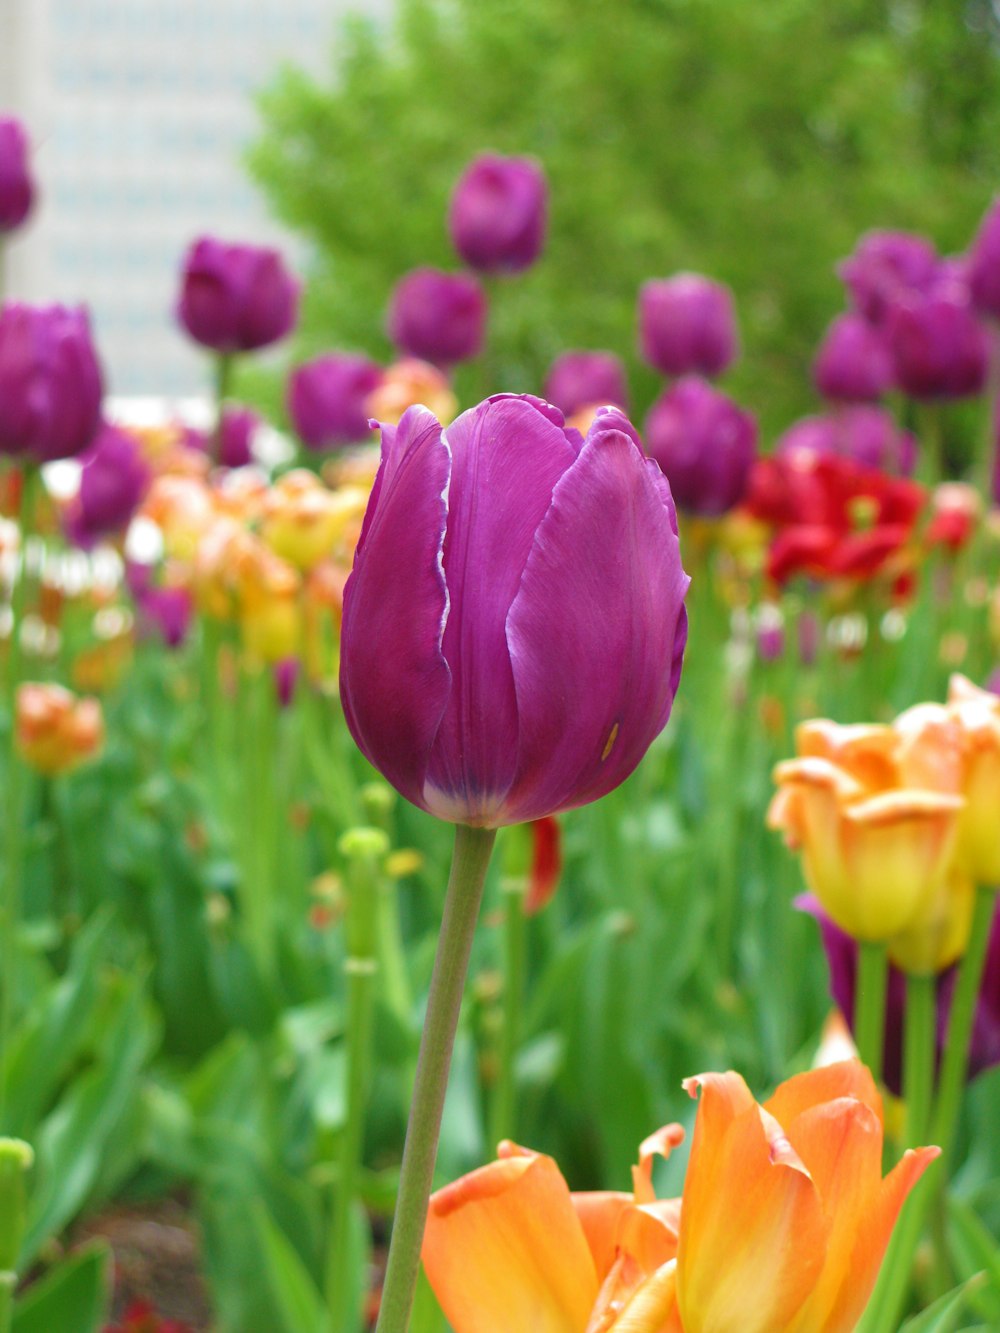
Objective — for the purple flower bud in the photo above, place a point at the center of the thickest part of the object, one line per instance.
(811, 435)
(438, 317)
(239, 426)
(586, 379)
(50, 382)
(286, 678)
(938, 348)
(885, 266)
(984, 265)
(505, 566)
(236, 298)
(704, 443)
(770, 629)
(327, 399)
(17, 191)
(113, 481)
(687, 324)
(853, 362)
(867, 434)
(497, 215)
(165, 612)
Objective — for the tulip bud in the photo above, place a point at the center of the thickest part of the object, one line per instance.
(853, 362)
(327, 399)
(235, 298)
(438, 317)
(50, 382)
(687, 324)
(113, 481)
(938, 348)
(886, 266)
(54, 730)
(984, 265)
(497, 215)
(866, 434)
(237, 429)
(704, 444)
(17, 191)
(586, 379)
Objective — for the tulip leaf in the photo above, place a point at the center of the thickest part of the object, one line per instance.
(942, 1316)
(72, 1296)
(977, 1248)
(292, 1289)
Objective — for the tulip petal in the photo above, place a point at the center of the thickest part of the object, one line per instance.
(753, 1233)
(653, 1308)
(507, 457)
(394, 680)
(600, 1213)
(504, 1249)
(604, 582)
(845, 1078)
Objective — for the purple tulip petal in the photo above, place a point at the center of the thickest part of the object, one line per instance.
(394, 679)
(592, 626)
(507, 456)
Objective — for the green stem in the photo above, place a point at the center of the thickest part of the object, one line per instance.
(461, 910)
(365, 849)
(16, 1158)
(503, 1117)
(918, 1055)
(869, 1004)
(224, 363)
(955, 1057)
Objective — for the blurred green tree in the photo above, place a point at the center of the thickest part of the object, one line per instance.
(752, 142)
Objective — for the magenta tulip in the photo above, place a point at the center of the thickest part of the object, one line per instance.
(438, 317)
(586, 379)
(497, 215)
(17, 191)
(938, 347)
(327, 399)
(514, 624)
(236, 298)
(984, 265)
(866, 433)
(853, 363)
(50, 382)
(113, 481)
(687, 325)
(885, 266)
(704, 443)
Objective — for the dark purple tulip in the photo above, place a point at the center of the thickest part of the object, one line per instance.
(704, 443)
(984, 265)
(885, 266)
(586, 379)
(286, 678)
(239, 426)
(498, 213)
(938, 347)
(113, 481)
(853, 362)
(687, 324)
(17, 191)
(438, 317)
(327, 399)
(514, 625)
(236, 298)
(50, 382)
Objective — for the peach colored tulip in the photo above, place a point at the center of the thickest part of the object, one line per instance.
(55, 731)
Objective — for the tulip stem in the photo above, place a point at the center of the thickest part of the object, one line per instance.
(502, 1119)
(461, 911)
(223, 385)
(918, 1055)
(869, 1003)
(955, 1057)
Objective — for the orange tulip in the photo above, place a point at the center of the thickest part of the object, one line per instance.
(54, 730)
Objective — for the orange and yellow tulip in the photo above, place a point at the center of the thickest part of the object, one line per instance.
(782, 1227)
(54, 730)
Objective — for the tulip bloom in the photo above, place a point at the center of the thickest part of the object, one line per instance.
(853, 362)
(586, 379)
(687, 325)
(437, 317)
(984, 265)
(862, 432)
(114, 479)
(17, 191)
(327, 399)
(704, 443)
(236, 298)
(498, 212)
(54, 730)
(50, 382)
(782, 1226)
(938, 348)
(887, 265)
(505, 566)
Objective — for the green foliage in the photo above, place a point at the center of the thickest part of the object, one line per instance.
(753, 142)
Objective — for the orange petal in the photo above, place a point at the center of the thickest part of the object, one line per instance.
(504, 1249)
(753, 1234)
(845, 1078)
(600, 1212)
(660, 1144)
(653, 1308)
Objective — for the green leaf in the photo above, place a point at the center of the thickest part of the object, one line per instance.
(295, 1295)
(73, 1297)
(942, 1316)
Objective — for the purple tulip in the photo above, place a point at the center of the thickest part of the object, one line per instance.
(236, 298)
(812, 435)
(938, 347)
(853, 362)
(863, 432)
(514, 625)
(885, 266)
(50, 382)
(239, 426)
(327, 399)
(687, 324)
(164, 612)
(498, 212)
(17, 191)
(984, 265)
(286, 679)
(586, 379)
(704, 443)
(438, 317)
(113, 481)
